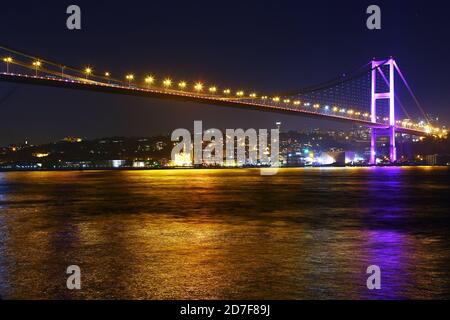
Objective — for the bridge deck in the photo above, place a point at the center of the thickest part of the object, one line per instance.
(191, 97)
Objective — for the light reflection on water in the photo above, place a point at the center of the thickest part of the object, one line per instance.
(226, 234)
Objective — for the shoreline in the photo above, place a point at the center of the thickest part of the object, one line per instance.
(216, 168)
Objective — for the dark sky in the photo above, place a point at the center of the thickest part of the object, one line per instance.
(269, 46)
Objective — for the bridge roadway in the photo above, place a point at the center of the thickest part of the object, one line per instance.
(82, 84)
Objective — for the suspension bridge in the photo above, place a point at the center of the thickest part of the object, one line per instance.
(336, 100)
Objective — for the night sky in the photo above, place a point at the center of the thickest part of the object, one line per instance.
(268, 46)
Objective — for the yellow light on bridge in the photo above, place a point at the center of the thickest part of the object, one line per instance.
(350, 112)
(286, 100)
(167, 82)
(198, 86)
(88, 71)
(335, 109)
(316, 106)
(36, 65)
(227, 91)
(7, 60)
(107, 74)
(240, 93)
(264, 97)
(366, 115)
(252, 95)
(276, 99)
(297, 102)
(213, 89)
(129, 77)
(182, 84)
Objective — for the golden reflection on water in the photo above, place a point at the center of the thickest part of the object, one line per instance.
(225, 234)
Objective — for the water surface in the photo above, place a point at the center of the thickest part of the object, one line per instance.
(226, 234)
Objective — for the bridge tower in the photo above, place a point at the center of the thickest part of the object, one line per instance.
(389, 95)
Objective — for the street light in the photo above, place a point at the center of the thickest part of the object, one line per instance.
(149, 80)
(227, 91)
(130, 78)
(213, 89)
(7, 60)
(167, 83)
(36, 65)
(88, 72)
(108, 75)
(198, 87)
(182, 85)
(240, 93)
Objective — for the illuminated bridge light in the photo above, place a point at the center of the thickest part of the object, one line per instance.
(129, 77)
(350, 112)
(8, 59)
(167, 82)
(264, 97)
(212, 89)
(240, 93)
(182, 84)
(227, 91)
(286, 100)
(88, 71)
(252, 95)
(327, 107)
(149, 80)
(276, 99)
(335, 109)
(316, 106)
(198, 86)
(297, 102)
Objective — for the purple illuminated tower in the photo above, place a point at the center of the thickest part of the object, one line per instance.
(390, 95)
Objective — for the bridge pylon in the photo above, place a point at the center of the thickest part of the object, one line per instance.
(386, 95)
